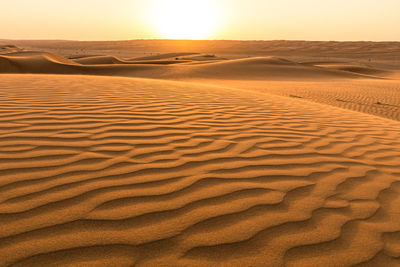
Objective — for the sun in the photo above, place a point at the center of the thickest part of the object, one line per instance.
(185, 19)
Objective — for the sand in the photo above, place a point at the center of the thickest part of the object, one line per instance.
(260, 161)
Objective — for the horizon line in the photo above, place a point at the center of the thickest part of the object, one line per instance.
(232, 40)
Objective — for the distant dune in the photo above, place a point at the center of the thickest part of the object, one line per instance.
(355, 50)
(165, 56)
(199, 159)
(362, 69)
(271, 68)
(104, 60)
(6, 49)
(266, 68)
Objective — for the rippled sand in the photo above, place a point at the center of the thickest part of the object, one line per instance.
(110, 171)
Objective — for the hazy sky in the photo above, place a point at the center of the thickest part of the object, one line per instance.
(237, 19)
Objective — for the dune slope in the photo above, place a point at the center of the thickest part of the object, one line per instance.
(372, 96)
(356, 68)
(265, 68)
(102, 171)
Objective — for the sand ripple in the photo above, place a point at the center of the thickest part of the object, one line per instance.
(114, 171)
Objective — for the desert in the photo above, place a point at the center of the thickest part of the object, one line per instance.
(194, 159)
(191, 133)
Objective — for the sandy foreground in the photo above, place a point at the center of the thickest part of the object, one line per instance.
(190, 159)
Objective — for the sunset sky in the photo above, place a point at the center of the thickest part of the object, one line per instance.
(375, 20)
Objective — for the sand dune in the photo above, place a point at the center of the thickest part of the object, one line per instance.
(351, 89)
(356, 68)
(164, 56)
(93, 60)
(6, 49)
(117, 171)
(101, 60)
(372, 96)
(46, 63)
(205, 57)
(260, 68)
(265, 68)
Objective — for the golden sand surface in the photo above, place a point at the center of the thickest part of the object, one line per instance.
(191, 159)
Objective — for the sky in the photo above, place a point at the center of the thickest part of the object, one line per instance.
(341, 20)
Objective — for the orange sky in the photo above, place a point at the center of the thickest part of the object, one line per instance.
(374, 20)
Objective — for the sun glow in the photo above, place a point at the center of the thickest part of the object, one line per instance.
(185, 19)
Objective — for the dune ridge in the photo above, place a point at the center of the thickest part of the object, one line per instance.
(109, 170)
